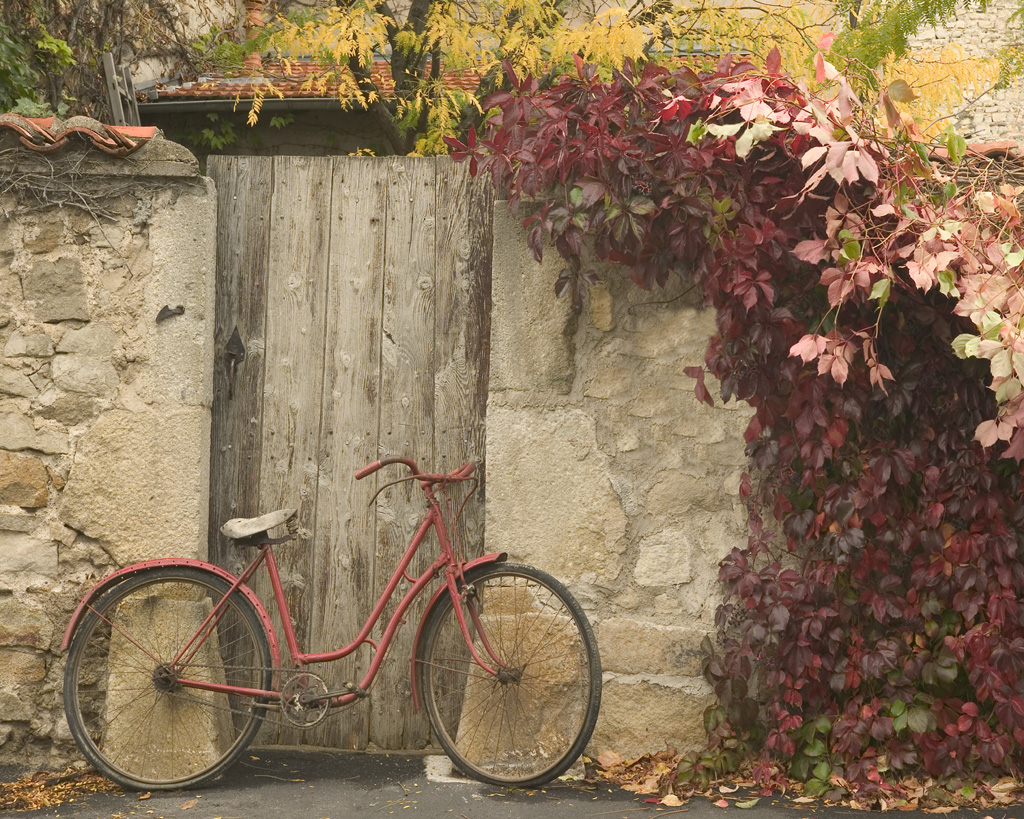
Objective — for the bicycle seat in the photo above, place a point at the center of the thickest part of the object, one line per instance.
(241, 528)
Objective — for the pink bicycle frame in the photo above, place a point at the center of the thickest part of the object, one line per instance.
(447, 561)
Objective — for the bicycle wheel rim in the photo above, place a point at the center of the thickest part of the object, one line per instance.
(131, 723)
(523, 731)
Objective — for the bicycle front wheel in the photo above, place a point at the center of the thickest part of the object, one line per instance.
(530, 722)
(128, 713)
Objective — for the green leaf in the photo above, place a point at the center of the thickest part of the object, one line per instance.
(850, 252)
(954, 144)
(640, 205)
(897, 707)
(748, 803)
(576, 196)
(815, 787)
(991, 324)
(822, 771)
(962, 342)
(900, 722)
(1008, 390)
(880, 291)
(947, 284)
(815, 749)
(920, 720)
(698, 130)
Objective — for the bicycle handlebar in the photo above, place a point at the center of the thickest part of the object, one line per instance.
(369, 469)
(460, 474)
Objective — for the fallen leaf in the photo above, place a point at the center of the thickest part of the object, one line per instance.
(672, 800)
(804, 800)
(721, 803)
(728, 789)
(943, 809)
(609, 759)
(748, 803)
(145, 795)
(190, 804)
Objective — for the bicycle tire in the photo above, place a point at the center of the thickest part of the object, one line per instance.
(531, 728)
(140, 730)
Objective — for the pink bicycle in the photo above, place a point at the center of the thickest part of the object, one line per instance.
(174, 663)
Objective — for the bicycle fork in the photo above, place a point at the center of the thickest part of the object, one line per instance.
(468, 597)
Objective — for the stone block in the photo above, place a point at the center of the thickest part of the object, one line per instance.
(93, 339)
(600, 307)
(139, 483)
(676, 492)
(17, 708)
(26, 557)
(531, 341)
(58, 290)
(17, 432)
(654, 402)
(558, 508)
(642, 647)
(610, 382)
(46, 234)
(666, 559)
(20, 667)
(642, 715)
(28, 344)
(15, 382)
(19, 522)
(24, 625)
(84, 374)
(68, 408)
(22, 481)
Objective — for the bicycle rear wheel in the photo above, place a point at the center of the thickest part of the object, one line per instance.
(129, 716)
(531, 722)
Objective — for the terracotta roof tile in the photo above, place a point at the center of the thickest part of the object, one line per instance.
(49, 135)
(289, 80)
(1003, 149)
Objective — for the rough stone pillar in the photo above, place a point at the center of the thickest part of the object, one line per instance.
(604, 469)
(106, 343)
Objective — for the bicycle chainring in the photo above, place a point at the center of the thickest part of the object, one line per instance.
(303, 700)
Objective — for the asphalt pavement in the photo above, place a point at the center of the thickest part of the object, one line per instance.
(290, 783)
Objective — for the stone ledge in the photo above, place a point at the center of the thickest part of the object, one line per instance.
(637, 647)
(159, 158)
(645, 713)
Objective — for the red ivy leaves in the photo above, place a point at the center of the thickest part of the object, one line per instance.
(898, 646)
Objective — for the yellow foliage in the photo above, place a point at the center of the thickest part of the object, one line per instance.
(538, 37)
(944, 80)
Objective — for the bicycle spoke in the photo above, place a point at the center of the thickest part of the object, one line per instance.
(528, 723)
(127, 711)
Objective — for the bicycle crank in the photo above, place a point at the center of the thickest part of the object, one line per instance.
(305, 699)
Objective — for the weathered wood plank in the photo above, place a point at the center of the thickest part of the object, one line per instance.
(463, 288)
(297, 281)
(345, 523)
(377, 331)
(406, 421)
(243, 239)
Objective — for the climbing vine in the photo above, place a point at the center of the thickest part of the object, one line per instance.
(868, 299)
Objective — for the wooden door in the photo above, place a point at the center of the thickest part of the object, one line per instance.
(353, 300)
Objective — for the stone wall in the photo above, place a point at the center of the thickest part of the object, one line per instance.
(604, 469)
(104, 412)
(997, 115)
